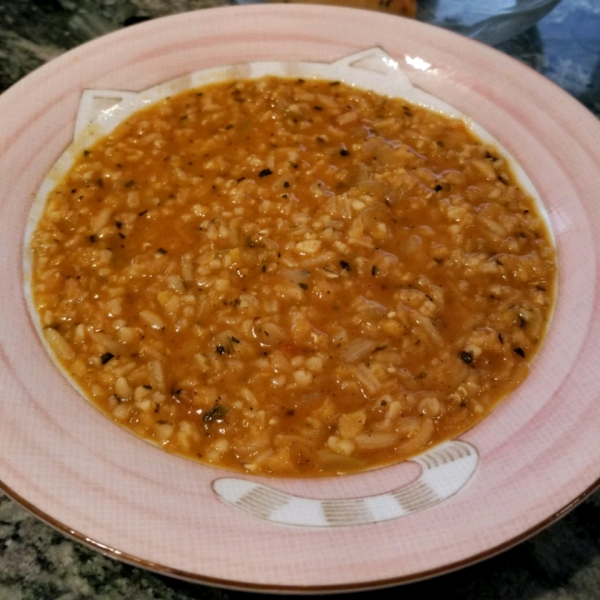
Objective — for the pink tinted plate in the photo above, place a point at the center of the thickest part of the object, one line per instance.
(521, 468)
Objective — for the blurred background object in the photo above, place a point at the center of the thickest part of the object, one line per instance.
(491, 22)
(404, 8)
(488, 22)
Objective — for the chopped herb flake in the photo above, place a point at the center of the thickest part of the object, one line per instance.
(217, 413)
(466, 356)
(106, 357)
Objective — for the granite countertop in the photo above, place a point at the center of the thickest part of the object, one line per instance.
(38, 563)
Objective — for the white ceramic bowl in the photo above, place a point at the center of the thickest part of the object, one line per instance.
(518, 470)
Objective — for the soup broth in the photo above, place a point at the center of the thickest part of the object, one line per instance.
(290, 277)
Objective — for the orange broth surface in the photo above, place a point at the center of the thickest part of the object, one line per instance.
(290, 277)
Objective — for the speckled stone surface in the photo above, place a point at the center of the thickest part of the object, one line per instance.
(38, 563)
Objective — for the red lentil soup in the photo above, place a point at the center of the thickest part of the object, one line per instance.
(290, 277)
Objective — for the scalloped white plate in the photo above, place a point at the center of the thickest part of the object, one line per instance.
(518, 470)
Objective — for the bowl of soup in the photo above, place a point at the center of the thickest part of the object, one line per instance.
(272, 291)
